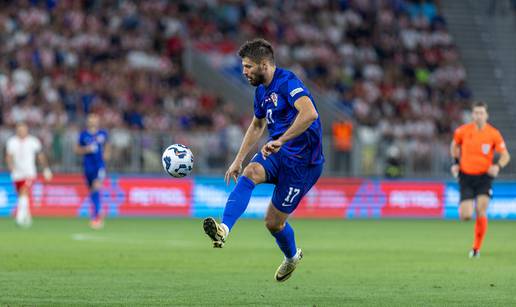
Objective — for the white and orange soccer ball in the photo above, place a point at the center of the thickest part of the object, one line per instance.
(178, 160)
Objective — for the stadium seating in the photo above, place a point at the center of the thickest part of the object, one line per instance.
(390, 65)
(61, 60)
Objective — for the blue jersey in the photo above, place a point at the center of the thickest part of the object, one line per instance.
(94, 160)
(275, 103)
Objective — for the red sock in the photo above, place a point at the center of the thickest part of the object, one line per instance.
(480, 231)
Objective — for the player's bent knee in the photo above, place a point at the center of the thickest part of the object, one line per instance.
(466, 210)
(465, 217)
(273, 223)
(96, 185)
(273, 226)
(481, 212)
(255, 172)
(24, 191)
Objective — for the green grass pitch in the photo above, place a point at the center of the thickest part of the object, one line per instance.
(60, 262)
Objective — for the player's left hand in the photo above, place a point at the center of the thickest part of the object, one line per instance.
(271, 147)
(493, 170)
(47, 174)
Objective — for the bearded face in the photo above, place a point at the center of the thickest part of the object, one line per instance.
(254, 72)
(479, 115)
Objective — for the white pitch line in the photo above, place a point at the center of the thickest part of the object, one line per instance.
(96, 238)
(86, 237)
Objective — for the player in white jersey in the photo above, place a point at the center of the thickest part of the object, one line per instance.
(22, 151)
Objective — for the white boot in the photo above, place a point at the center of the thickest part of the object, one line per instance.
(288, 266)
(217, 232)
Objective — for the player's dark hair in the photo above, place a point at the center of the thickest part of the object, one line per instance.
(480, 104)
(257, 50)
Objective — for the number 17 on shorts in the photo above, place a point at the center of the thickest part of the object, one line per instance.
(291, 196)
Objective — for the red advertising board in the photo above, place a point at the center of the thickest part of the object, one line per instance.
(413, 199)
(330, 197)
(66, 195)
(62, 196)
(155, 196)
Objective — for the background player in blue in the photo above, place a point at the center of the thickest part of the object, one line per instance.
(292, 159)
(95, 149)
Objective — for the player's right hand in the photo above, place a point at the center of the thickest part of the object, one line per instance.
(233, 171)
(455, 170)
(92, 148)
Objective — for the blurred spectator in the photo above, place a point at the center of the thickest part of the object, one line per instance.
(121, 59)
(378, 60)
(393, 163)
(390, 64)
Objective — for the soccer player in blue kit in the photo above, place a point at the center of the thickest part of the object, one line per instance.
(95, 149)
(292, 159)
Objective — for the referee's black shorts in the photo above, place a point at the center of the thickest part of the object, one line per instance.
(473, 185)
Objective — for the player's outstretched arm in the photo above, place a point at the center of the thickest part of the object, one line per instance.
(252, 135)
(43, 162)
(9, 162)
(307, 114)
(504, 159)
(454, 150)
(107, 152)
(83, 150)
(455, 154)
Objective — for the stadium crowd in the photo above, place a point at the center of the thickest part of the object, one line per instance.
(390, 64)
(121, 59)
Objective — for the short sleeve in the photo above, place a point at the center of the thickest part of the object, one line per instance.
(295, 90)
(82, 140)
(259, 110)
(36, 144)
(458, 136)
(499, 142)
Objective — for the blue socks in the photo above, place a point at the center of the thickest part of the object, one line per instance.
(237, 201)
(286, 241)
(95, 199)
(236, 204)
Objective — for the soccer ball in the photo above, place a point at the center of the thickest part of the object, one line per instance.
(177, 160)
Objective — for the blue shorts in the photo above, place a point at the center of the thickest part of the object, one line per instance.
(292, 179)
(94, 174)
